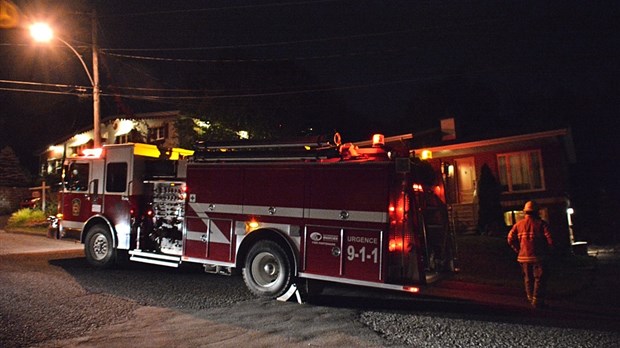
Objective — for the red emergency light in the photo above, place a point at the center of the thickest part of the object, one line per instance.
(396, 245)
(378, 140)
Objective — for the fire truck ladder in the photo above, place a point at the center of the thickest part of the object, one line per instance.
(247, 150)
(440, 251)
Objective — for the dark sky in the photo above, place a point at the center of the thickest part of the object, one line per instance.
(358, 66)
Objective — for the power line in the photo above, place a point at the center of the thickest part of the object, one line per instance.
(306, 90)
(223, 8)
(272, 94)
(267, 44)
(255, 60)
(44, 84)
(39, 91)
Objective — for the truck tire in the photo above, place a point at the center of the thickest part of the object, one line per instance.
(267, 271)
(99, 247)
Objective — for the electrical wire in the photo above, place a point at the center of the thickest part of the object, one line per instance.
(39, 91)
(205, 94)
(266, 44)
(44, 84)
(255, 60)
(211, 9)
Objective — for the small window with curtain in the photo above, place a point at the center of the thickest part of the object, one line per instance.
(520, 171)
(116, 177)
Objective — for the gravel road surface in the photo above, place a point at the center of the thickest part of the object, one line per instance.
(54, 299)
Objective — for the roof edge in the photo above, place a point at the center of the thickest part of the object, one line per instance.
(497, 141)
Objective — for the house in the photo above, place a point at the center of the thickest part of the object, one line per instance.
(154, 128)
(532, 166)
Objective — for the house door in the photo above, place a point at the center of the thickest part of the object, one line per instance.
(466, 179)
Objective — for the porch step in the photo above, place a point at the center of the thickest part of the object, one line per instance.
(465, 218)
(154, 258)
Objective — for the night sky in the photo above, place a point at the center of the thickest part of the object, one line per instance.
(358, 67)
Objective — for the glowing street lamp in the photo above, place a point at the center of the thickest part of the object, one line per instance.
(42, 32)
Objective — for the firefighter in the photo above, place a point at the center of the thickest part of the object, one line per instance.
(531, 239)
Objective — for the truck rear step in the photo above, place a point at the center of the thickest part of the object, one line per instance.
(155, 259)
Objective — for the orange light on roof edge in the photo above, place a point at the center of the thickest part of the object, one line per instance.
(426, 154)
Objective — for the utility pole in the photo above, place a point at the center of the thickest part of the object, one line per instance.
(96, 90)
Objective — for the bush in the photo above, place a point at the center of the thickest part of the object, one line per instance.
(27, 217)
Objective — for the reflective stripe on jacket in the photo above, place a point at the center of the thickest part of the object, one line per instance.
(531, 239)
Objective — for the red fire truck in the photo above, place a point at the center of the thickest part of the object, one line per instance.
(286, 214)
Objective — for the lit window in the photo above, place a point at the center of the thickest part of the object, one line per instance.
(511, 217)
(520, 171)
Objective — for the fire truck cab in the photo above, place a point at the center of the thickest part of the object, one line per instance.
(284, 214)
(104, 191)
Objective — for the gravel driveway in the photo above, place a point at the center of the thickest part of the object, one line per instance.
(54, 299)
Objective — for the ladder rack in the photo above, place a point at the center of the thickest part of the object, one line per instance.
(252, 151)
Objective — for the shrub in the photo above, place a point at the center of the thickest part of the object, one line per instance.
(27, 217)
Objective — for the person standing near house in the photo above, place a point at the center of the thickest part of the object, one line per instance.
(531, 239)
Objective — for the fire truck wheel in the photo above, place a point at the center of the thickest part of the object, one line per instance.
(98, 247)
(267, 271)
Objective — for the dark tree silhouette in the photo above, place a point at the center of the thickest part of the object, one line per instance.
(11, 172)
(490, 209)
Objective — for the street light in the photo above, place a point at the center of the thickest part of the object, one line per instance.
(42, 32)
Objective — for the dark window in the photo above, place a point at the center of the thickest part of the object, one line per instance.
(122, 139)
(158, 133)
(116, 177)
(78, 177)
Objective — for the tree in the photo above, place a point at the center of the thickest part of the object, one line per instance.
(269, 100)
(490, 217)
(11, 172)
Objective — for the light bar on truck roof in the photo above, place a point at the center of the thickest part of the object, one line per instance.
(149, 150)
(178, 152)
(146, 150)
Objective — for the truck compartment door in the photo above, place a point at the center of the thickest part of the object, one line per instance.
(350, 253)
(208, 238)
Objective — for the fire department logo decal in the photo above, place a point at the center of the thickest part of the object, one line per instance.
(76, 205)
(316, 236)
(324, 239)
